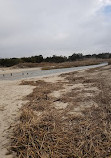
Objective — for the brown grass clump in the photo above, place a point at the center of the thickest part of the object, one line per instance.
(46, 132)
(51, 138)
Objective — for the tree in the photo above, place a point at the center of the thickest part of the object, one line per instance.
(75, 57)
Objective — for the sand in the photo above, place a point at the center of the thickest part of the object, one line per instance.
(11, 100)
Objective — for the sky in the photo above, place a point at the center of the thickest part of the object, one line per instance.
(54, 27)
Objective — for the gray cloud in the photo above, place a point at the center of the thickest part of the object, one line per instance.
(50, 27)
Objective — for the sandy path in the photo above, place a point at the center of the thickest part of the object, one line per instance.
(11, 95)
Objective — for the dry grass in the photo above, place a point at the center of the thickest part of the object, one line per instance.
(48, 65)
(31, 65)
(45, 132)
(74, 64)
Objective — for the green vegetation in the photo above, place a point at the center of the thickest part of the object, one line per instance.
(7, 62)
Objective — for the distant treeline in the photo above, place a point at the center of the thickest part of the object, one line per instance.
(7, 62)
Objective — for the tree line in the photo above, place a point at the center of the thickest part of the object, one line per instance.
(7, 62)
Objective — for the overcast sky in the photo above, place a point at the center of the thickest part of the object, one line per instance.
(54, 27)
